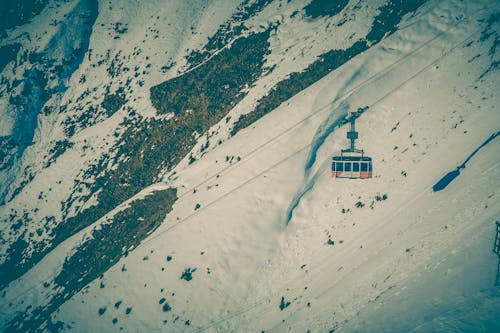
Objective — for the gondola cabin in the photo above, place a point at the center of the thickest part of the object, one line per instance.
(352, 167)
(352, 163)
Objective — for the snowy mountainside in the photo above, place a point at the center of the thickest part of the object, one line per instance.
(166, 167)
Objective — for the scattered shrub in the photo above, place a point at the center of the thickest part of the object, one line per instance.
(188, 274)
(283, 305)
(166, 307)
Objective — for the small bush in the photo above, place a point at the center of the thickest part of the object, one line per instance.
(166, 307)
(359, 204)
(283, 305)
(188, 274)
(317, 8)
(113, 103)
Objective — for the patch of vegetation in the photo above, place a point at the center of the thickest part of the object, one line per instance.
(228, 31)
(15, 255)
(116, 65)
(88, 115)
(59, 148)
(487, 33)
(8, 148)
(26, 177)
(120, 28)
(36, 91)
(212, 89)
(147, 147)
(319, 8)
(95, 256)
(113, 102)
(284, 304)
(8, 53)
(297, 82)
(384, 24)
(114, 239)
(199, 99)
(166, 307)
(188, 274)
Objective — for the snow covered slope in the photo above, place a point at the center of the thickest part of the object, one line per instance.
(177, 176)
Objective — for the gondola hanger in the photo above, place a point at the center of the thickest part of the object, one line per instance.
(352, 163)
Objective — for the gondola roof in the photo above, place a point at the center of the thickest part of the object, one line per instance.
(352, 158)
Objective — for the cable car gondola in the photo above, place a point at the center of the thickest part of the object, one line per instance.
(352, 163)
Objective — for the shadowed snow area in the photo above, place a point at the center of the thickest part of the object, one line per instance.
(44, 77)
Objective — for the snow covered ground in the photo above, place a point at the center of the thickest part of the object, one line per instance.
(420, 259)
(346, 260)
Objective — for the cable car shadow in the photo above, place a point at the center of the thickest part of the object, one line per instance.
(450, 176)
